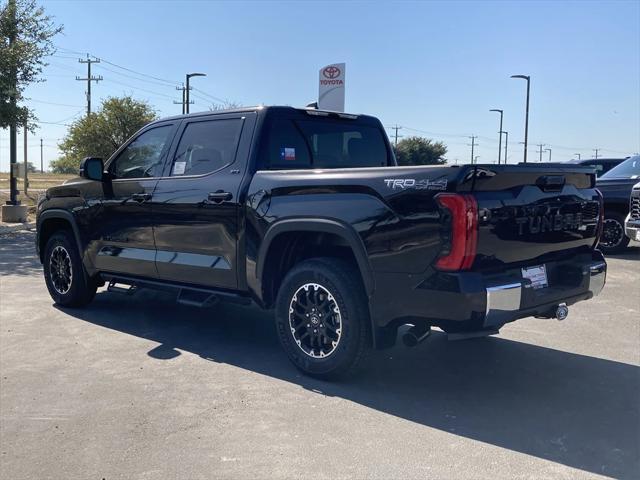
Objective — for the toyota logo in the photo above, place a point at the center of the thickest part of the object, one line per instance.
(331, 72)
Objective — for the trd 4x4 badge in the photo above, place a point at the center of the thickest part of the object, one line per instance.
(404, 183)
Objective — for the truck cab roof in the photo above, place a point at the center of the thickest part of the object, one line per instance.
(274, 109)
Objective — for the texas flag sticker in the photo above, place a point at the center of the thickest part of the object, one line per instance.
(288, 154)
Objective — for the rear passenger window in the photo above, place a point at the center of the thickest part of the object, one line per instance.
(285, 146)
(206, 146)
(321, 143)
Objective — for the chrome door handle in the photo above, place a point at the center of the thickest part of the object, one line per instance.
(219, 197)
(141, 197)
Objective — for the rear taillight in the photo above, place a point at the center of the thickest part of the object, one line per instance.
(600, 219)
(462, 232)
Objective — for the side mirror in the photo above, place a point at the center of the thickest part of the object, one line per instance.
(92, 168)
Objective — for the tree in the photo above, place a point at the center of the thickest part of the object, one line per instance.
(420, 151)
(31, 168)
(101, 133)
(26, 34)
(227, 105)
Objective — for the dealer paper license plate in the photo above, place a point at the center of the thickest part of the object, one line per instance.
(537, 275)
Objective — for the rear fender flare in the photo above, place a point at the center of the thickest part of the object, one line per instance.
(321, 225)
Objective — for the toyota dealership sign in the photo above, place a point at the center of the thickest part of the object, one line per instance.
(331, 87)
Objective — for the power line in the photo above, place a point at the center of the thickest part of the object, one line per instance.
(435, 134)
(63, 56)
(54, 123)
(139, 88)
(63, 67)
(219, 100)
(156, 80)
(53, 103)
(170, 82)
(153, 82)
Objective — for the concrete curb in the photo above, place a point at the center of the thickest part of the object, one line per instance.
(7, 228)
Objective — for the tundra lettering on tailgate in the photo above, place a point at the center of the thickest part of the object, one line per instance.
(549, 223)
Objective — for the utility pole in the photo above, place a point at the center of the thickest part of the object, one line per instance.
(89, 79)
(579, 157)
(540, 151)
(499, 132)
(12, 211)
(596, 150)
(473, 145)
(41, 162)
(13, 128)
(506, 141)
(183, 89)
(395, 143)
(26, 164)
(548, 150)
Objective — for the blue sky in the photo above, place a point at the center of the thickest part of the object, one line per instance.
(436, 67)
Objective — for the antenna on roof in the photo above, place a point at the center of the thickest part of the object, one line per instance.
(312, 105)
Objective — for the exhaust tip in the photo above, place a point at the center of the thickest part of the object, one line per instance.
(562, 311)
(415, 335)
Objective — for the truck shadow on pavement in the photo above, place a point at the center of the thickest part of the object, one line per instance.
(575, 410)
(632, 252)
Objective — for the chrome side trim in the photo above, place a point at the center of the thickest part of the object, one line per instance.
(597, 277)
(502, 300)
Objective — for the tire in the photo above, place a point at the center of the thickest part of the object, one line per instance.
(65, 276)
(613, 238)
(341, 318)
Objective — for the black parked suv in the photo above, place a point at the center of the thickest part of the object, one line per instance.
(306, 212)
(602, 165)
(616, 186)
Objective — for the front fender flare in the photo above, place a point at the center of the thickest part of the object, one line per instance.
(59, 214)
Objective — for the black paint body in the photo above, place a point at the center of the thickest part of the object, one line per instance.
(392, 231)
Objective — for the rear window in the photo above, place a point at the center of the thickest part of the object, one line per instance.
(322, 143)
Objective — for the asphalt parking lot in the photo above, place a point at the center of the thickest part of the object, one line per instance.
(137, 387)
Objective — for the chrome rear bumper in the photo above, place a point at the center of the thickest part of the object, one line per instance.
(597, 277)
(504, 302)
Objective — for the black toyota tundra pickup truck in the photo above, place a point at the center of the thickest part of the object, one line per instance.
(306, 212)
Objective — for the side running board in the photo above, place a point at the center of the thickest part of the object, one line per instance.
(186, 295)
(127, 289)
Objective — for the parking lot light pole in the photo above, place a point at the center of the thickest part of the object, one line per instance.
(526, 118)
(506, 142)
(548, 150)
(189, 75)
(499, 132)
(579, 156)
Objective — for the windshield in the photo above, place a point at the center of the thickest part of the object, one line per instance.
(630, 168)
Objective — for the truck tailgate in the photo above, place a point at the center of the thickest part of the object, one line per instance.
(529, 214)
